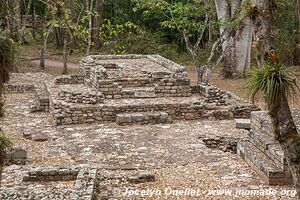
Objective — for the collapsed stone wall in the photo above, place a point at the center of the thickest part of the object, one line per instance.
(84, 187)
(213, 94)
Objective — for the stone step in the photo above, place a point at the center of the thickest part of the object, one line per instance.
(143, 118)
(140, 92)
(262, 165)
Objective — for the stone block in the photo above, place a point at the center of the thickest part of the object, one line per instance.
(243, 124)
(18, 155)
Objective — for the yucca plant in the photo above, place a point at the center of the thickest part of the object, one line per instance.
(276, 83)
(5, 145)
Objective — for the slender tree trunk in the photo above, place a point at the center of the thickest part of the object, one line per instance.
(71, 5)
(33, 20)
(65, 71)
(89, 7)
(285, 132)
(58, 37)
(14, 19)
(98, 21)
(27, 9)
(43, 50)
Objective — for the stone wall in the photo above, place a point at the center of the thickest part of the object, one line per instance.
(69, 79)
(173, 88)
(263, 153)
(64, 114)
(143, 118)
(51, 174)
(13, 88)
(213, 94)
(81, 97)
(42, 98)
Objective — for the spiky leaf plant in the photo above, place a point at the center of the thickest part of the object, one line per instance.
(272, 81)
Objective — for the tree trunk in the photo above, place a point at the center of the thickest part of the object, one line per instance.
(261, 24)
(27, 9)
(71, 6)
(89, 7)
(237, 59)
(43, 50)
(58, 37)
(285, 132)
(65, 71)
(33, 20)
(98, 22)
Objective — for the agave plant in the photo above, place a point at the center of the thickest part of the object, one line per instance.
(276, 83)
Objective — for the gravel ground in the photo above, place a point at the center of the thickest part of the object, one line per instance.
(173, 152)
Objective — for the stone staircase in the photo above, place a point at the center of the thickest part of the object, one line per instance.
(263, 153)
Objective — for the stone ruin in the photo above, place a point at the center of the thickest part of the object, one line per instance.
(145, 89)
(132, 89)
(263, 153)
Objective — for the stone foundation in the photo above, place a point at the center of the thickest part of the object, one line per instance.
(263, 153)
(109, 85)
(85, 179)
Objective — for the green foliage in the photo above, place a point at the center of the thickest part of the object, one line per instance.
(283, 28)
(7, 60)
(115, 36)
(5, 145)
(273, 81)
(181, 15)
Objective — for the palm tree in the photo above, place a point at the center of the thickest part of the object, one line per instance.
(5, 145)
(276, 84)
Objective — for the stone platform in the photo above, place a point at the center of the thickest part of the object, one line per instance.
(263, 153)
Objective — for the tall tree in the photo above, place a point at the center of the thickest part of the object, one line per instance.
(237, 60)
